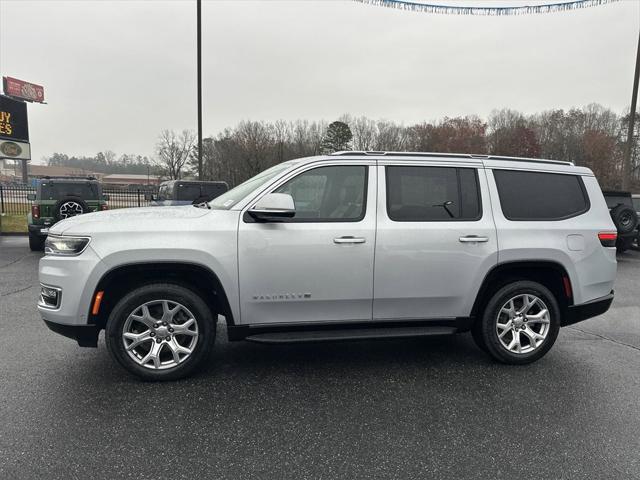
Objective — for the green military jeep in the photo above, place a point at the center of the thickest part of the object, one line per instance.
(57, 198)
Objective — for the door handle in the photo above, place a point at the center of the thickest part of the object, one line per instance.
(473, 239)
(348, 239)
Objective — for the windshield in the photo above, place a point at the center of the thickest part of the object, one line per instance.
(233, 196)
(164, 193)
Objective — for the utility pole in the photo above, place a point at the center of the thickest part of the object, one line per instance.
(199, 34)
(626, 165)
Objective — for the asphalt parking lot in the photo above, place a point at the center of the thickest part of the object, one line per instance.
(395, 409)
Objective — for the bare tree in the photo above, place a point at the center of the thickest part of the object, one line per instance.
(589, 136)
(174, 150)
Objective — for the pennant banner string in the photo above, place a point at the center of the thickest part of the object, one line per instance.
(485, 11)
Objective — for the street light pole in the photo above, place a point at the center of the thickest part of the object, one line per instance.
(199, 41)
(626, 165)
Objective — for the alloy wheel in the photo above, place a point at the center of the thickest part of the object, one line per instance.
(70, 209)
(523, 323)
(160, 334)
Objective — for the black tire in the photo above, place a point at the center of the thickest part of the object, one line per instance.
(36, 243)
(623, 244)
(81, 205)
(476, 334)
(127, 305)
(487, 329)
(625, 218)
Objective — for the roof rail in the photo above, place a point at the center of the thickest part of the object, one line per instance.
(62, 177)
(347, 153)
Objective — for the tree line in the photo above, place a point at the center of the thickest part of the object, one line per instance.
(105, 162)
(592, 136)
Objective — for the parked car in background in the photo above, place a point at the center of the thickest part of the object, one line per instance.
(635, 198)
(624, 216)
(186, 192)
(353, 245)
(58, 198)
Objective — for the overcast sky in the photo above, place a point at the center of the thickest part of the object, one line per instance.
(117, 72)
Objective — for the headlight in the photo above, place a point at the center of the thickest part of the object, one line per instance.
(68, 246)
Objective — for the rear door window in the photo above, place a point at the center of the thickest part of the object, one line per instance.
(540, 196)
(432, 194)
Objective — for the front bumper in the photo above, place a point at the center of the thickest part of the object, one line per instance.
(583, 311)
(76, 277)
(85, 335)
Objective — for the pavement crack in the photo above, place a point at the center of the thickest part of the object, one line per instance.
(606, 338)
(16, 291)
(16, 260)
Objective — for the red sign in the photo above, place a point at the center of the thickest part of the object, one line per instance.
(21, 89)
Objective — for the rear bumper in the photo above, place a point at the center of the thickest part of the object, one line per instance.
(37, 230)
(625, 240)
(593, 308)
(85, 335)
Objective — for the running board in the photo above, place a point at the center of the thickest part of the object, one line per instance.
(307, 336)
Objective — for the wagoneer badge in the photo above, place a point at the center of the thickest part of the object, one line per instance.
(283, 296)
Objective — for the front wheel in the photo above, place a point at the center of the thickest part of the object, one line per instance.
(160, 332)
(520, 323)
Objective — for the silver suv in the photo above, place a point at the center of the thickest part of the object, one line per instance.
(354, 245)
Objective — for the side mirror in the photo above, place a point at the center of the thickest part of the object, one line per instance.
(273, 207)
(31, 197)
(105, 198)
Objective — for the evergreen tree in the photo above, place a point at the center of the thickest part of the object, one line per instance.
(337, 137)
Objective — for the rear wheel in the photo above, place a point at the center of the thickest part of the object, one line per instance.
(160, 332)
(36, 243)
(520, 323)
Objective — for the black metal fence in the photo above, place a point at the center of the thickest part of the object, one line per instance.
(128, 197)
(13, 199)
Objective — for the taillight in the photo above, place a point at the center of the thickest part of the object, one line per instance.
(35, 211)
(608, 239)
(104, 206)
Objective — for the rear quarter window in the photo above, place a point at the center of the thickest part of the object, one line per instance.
(212, 191)
(530, 196)
(188, 191)
(613, 200)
